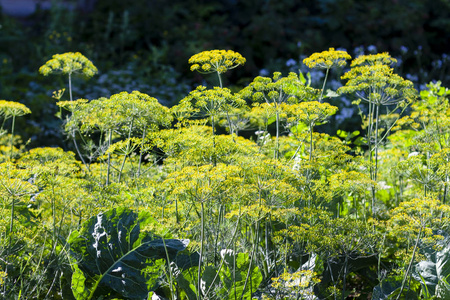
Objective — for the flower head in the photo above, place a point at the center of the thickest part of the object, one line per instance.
(13, 109)
(68, 63)
(216, 61)
(327, 59)
(378, 84)
(373, 59)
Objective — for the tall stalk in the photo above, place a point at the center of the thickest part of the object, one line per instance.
(127, 150)
(277, 145)
(108, 168)
(12, 137)
(410, 263)
(199, 273)
(140, 153)
(323, 86)
(73, 130)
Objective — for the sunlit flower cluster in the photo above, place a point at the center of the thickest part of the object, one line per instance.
(278, 89)
(373, 59)
(327, 59)
(69, 63)
(310, 112)
(13, 109)
(377, 83)
(216, 61)
(213, 100)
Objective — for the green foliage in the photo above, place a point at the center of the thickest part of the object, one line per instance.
(234, 278)
(433, 273)
(114, 255)
(284, 209)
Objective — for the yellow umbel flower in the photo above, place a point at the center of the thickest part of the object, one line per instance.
(218, 61)
(72, 105)
(327, 59)
(69, 63)
(310, 113)
(13, 109)
(378, 84)
(373, 59)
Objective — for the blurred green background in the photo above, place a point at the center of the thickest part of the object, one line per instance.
(145, 45)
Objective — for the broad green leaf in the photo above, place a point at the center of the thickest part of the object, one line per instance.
(117, 258)
(390, 289)
(434, 272)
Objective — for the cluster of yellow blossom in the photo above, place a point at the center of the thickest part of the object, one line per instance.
(373, 59)
(327, 59)
(310, 113)
(377, 83)
(72, 105)
(69, 63)
(13, 109)
(297, 281)
(216, 61)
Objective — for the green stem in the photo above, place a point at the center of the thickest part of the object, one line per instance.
(277, 134)
(223, 258)
(323, 87)
(12, 137)
(173, 296)
(199, 274)
(140, 153)
(11, 224)
(127, 150)
(214, 141)
(220, 80)
(410, 263)
(108, 170)
(310, 142)
(73, 130)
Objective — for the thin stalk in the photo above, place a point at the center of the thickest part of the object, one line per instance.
(345, 277)
(223, 258)
(140, 153)
(73, 130)
(374, 174)
(199, 295)
(11, 223)
(376, 142)
(127, 150)
(108, 170)
(251, 260)
(310, 142)
(410, 263)
(323, 87)
(214, 141)
(266, 241)
(230, 126)
(278, 133)
(255, 245)
(12, 137)
(70, 87)
(220, 80)
(173, 296)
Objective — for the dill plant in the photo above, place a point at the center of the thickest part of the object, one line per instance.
(70, 63)
(373, 81)
(327, 60)
(11, 109)
(219, 62)
(274, 92)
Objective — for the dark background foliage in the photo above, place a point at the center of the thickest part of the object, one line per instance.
(145, 44)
